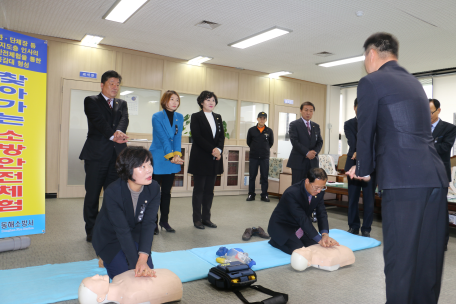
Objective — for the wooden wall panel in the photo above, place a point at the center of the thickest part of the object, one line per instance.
(142, 72)
(225, 84)
(254, 88)
(183, 78)
(284, 89)
(66, 60)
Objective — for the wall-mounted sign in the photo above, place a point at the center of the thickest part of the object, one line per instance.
(288, 101)
(88, 75)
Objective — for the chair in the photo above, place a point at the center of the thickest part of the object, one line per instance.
(341, 163)
(326, 162)
(275, 168)
(453, 181)
(453, 161)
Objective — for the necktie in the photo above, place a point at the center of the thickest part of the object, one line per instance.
(109, 103)
(308, 127)
(299, 233)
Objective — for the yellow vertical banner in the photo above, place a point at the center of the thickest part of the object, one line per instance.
(23, 68)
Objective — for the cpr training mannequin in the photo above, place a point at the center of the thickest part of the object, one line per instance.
(327, 258)
(128, 289)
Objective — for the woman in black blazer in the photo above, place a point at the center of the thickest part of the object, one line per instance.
(124, 229)
(205, 157)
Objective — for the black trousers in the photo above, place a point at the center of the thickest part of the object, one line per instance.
(413, 240)
(166, 183)
(293, 243)
(99, 174)
(263, 163)
(354, 190)
(203, 194)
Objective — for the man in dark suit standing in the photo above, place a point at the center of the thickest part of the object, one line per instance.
(107, 119)
(290, 225)
(306, 140)
(394, 109)
(355, 185)
(443, 133)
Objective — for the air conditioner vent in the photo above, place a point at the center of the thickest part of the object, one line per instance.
(207, 24)
(324, 54)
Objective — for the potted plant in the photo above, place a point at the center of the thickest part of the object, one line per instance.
(187, 125)
(227, 135)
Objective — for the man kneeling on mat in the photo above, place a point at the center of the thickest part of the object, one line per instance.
(124, 228)
(290, 225)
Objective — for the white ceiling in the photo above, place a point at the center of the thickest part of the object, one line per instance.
(167, 28)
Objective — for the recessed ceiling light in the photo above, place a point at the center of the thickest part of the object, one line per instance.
(359, 13)
(181, 96)
(340, 62)
(126, 92)
(123, 9)
(260, 37)
(276, 75)
(198, 60)
(91, 40)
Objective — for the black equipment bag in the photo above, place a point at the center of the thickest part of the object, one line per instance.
(235, 275)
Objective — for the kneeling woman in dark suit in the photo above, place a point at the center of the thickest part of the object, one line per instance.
(124, 228)
(205, 157)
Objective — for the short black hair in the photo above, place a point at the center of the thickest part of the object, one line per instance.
(110, 74)
(206, 95)
(307, 103)
(356, 102)
(131, 158)
(316, 173)
(436, 103)
(382, 42)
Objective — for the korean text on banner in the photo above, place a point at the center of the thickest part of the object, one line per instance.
(23, 67)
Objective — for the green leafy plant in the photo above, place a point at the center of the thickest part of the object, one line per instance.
(187, 123)
(227, 135)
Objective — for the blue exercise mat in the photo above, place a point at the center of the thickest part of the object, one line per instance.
(354, 242)
(46, 283)
(262, 253)
(185, 264)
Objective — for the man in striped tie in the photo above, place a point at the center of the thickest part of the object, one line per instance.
(290, 226)
(305, 137)
(107, 119)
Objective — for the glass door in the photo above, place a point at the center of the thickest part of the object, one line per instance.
(246, 172)
(282, 144)
(73, 135)
(232, 166)
(180, 178)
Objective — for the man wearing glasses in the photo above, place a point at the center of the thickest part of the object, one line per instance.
(290, 225)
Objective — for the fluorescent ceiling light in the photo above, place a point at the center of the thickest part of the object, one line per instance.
(260, 37)
(90, 40)
(126, 92)
(276, 75)
(198, 60)
(123, 9)
(340, 62)
(153, 101)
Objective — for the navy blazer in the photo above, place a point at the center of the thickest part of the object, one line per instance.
(393, 107)
(103, 122)
(444, 134)
(201, 160)
(166, 142)
(302, 143)
(293, 212)
(351, 133)
(118, 227)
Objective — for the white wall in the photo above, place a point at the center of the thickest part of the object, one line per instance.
(444, 89)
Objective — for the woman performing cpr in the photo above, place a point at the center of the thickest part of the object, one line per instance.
(124, 228)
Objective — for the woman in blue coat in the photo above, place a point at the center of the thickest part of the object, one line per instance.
(167, 128)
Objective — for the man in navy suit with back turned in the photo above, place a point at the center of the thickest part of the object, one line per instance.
(393, 108)
(355, 186)
(307, 142)
(107, 119)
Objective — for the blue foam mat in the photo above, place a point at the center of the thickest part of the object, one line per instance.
(60, 282)
(354, 242)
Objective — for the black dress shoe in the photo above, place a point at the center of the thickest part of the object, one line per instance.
(250, 198)
(353, 231)
(365, 233)
(209, 224)
(156, 231)
(198, 225)
(89, 238)
(265, 198)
